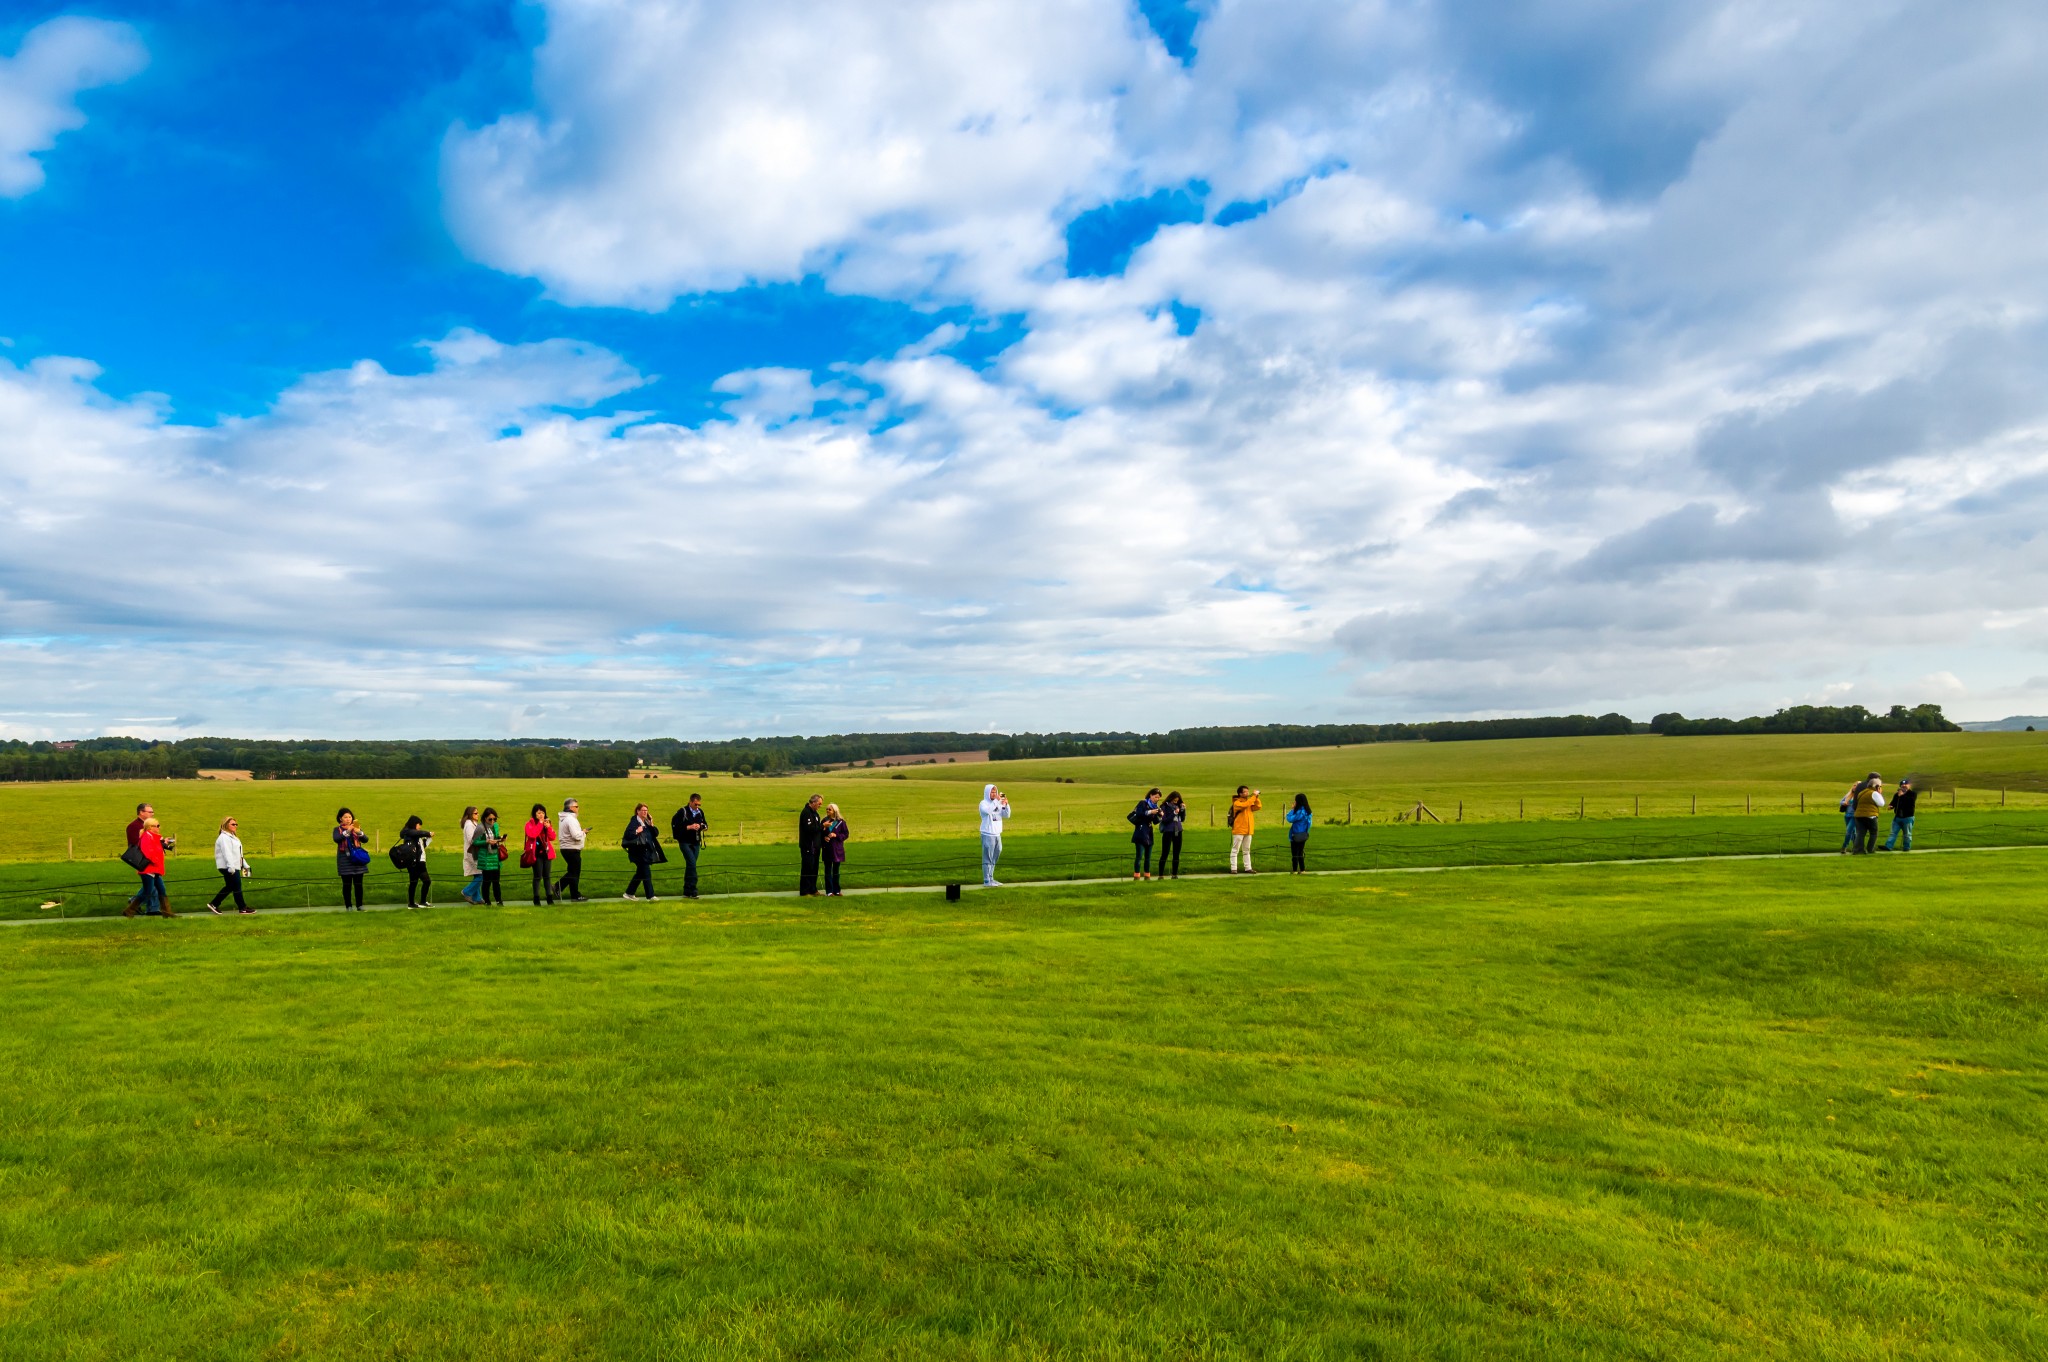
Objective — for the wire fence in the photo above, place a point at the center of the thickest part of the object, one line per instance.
(307, 882)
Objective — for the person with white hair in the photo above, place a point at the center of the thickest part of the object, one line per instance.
(995, 810)
(569, 840)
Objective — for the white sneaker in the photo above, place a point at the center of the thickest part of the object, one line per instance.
(991, 884)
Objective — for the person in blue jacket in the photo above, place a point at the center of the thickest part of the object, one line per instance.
(1299, 821)
(1144, 819)
(1173, 816)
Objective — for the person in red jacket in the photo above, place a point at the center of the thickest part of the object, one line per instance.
(143, 813)
(539, 853)
(150, 842)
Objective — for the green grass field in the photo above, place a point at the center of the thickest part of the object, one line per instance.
(1491, 782)
(1756, 1109)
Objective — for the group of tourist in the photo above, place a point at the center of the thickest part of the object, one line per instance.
(1864, 804)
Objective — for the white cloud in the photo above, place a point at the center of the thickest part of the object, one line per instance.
(40, 84)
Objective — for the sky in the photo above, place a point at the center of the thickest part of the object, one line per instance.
(635, 368)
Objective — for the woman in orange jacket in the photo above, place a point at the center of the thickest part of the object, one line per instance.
(1241, 810)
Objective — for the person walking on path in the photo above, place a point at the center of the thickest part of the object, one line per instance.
(687, 827)
(810, 844)
(1173, 817)
(643, 848)
(489, 845)
(469, 865)
(1242, 807)
(232, 865)
(151, 843)
(1144, 820)
(1869, 805)
(836, 833)
(570, 838)
(419, 882)
(1301, 820)
(1904, 800)
(351, 858)
(537, 852)
(995, 811)
(143, 813)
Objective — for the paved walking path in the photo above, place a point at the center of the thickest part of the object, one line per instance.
(1065, 884)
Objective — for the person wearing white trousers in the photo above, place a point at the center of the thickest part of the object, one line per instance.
(995, 807)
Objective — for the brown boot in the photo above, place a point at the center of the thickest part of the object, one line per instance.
(168, 912)
(131, 910)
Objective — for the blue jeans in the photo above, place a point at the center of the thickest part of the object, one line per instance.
(690, 852)
(1848, 831)
(152, 895)
(1900, 825)
(991, 852)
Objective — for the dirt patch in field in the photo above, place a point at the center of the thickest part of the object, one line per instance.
(224, 774)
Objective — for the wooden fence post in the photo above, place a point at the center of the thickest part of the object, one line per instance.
(1745, 804)
(899, 827)
(1212, 815)
(1695, 803)
(2001, 799)
(1347, 811)
(1582, 806)
(67, 850)
(1461, 811)
(1802, 801)
(1639, 806)
(273, 841)
(740, 837)
(1521, 807)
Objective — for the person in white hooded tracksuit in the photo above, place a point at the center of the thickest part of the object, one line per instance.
(995, 807)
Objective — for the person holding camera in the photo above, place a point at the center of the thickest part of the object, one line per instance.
(834, 855)
(1173, 818)
(1242, 807)
(153, 845)
(538, 852)
(1869, 805)
(229, 860)
(1144, 821)
(351, 858)
(995, 811)
(143, 813)
(489, 845)
(1904, 800)
(687, 827)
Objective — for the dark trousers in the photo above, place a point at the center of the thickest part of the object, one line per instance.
(1169, 847)
(543, 881)
(1298, 849)
(1141, 858)
(231, 883)
(831, 875)
(492, 890)
(571, 883)
(690, 850)
(419, 885)
(643, 877)
(807, 878)
(1866, 836)
(352, 891)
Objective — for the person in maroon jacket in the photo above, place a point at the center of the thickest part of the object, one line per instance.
(143, 813)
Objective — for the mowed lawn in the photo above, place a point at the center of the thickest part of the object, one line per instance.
(1760, 1109)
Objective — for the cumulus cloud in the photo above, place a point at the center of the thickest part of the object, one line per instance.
(40, 85)
(1586, 357)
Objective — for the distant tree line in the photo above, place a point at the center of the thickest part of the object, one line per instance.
(1026, 746)
(525, 758)
(137, 759)
(769, 756)
(1814, 719)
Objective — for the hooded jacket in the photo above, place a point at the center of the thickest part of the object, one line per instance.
(1241, 810)
(993, 812)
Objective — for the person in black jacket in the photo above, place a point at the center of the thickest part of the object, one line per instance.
(1173, 816)
(643, 848)
(1904, 800)
(419, 885)
(810, 842)
(687, 827)
(1145, 819)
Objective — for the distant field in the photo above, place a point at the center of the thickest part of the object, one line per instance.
(1776, 1110)
(1530, 779)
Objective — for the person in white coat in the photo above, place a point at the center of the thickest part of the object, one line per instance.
(469, 865)
(569, 840)
(232, 863)
(995, 809)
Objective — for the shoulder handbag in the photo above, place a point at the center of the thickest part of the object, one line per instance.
(134, 859)
(358, 854)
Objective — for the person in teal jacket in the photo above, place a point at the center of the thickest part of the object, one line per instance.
(1299, 821)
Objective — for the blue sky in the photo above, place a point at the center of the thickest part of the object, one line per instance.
(611, 370)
